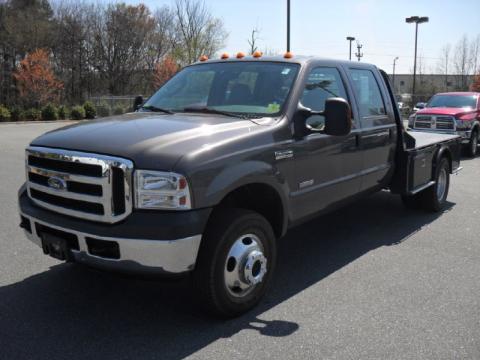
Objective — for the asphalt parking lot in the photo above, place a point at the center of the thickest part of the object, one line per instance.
(371, 281)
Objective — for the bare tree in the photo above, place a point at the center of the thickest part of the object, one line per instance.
(252, 42)
(163, 38)
(199, 33)
(461, 62)
(474, 55)
(120, 36)
(444, 63)
(71, 47)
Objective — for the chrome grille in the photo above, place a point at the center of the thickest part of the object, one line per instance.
(88, 186)
(423, 122)
(434, 122)
(445, 123)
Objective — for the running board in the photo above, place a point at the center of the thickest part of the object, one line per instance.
(420, 188)
(457, 170)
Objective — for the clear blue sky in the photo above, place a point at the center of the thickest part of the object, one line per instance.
(319, 27)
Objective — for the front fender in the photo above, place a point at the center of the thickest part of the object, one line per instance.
(476, 125)
(451, 152)
(244, 173)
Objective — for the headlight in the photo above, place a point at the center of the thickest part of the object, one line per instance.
(161, 190)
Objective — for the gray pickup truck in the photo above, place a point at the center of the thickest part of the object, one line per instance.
(219, 163)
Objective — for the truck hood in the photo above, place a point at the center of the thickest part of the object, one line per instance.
(445, 111)
(150, 140)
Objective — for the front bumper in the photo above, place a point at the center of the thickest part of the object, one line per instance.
(145, 242)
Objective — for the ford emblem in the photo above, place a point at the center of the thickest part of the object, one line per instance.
(57, 183)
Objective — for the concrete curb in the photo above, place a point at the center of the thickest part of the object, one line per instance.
(38, 122)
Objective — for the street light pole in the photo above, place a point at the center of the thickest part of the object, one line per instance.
(393, 77)
(350, 39)
(288, 25)
(417, 20)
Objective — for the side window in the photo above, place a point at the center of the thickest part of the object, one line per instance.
(322, 83)
(369, 97)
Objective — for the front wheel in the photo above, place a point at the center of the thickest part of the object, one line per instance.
(235, 263)
(473, 144)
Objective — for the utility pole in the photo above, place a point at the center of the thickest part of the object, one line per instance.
(393, 77)
(288, 25)
(416, 20)
(359, 54)
(350, 39)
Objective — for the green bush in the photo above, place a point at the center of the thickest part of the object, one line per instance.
(118, 110)
(4, 113)
(90, 111)
(33, 114)
(63, 112)
(103, 109)
(49, 112)
(78, 113)
(17, 114)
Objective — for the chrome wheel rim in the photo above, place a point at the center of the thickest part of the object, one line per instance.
(441, 184)
(245, 265)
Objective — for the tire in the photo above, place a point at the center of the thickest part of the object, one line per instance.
(234, 239)
(473, 144)
(434, 198)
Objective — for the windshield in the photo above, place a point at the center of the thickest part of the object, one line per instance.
(244, 88)
(453, 101)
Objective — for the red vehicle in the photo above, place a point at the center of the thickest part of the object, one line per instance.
(452, 113)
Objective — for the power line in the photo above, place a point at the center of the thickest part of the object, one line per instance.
(405, 56)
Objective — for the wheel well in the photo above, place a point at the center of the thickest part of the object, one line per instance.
(446, 154)
(260, 198)
(476, 128)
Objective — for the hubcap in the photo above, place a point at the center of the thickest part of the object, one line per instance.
(245, 266)
(441, 184)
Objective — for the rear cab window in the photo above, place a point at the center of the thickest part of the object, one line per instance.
(370, 101)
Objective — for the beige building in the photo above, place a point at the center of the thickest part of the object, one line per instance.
(429, 84)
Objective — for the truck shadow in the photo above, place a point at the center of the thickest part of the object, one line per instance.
(77, 313)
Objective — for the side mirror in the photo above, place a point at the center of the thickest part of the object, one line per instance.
(338, 118)
(138, 102)
(337, 113)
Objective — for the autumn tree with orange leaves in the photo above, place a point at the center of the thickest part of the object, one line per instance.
(35, 79)
(163, 71)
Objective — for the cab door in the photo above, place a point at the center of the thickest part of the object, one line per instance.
(379, 130)
(327, 167)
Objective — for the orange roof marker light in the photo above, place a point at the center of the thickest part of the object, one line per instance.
(288, 55)
(203, 58)
(257, 54)
(225, 56)
(240, 55)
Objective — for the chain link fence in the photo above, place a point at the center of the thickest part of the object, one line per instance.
(113, 105)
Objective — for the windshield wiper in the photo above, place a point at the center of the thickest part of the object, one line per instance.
(157, 109)
(207, 110)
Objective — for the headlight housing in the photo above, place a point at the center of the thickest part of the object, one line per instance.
(161, 190)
